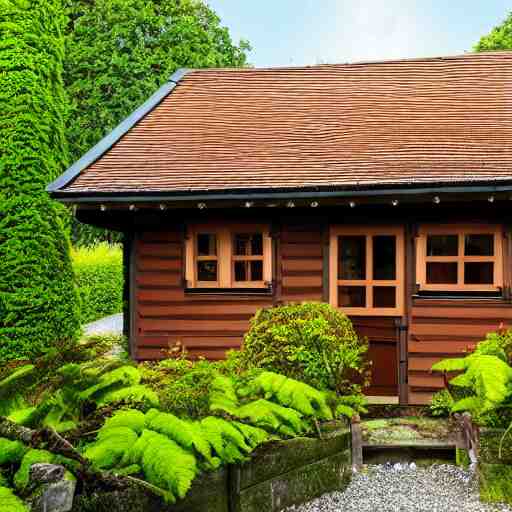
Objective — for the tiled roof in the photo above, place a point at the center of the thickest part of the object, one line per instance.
(405, 122)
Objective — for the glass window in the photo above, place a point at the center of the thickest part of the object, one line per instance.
(247, 244)
(442, 272)
(352, 257)
(442, 245)
(206, 270)
(478, 273)
(206, 244)
(479, 245)
(352, 296)
(384, 296)
(384, 257)
(249, 270)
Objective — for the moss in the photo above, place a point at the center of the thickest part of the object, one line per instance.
(495, 482)
(22, 476)
(462, 458)
(489, 446)
(10, 502)
(11, 451)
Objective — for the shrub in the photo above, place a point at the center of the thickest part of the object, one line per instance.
(99, 275)
(311, 342)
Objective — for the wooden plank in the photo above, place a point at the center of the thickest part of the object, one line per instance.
(156, 264)
(171, 250)
(148, 325)
(420, 397)
(224, 342)
(301, 251)
(302, 281)
(301, 237)
(213, 309)
(160, 295)
(423, 363)
(483, 312)
(292, 296)
(159, 278)
(305, 265)
(152, 354)
(422, 380)
(440, 347)
(451, 328)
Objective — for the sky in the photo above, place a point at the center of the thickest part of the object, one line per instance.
(304, 32)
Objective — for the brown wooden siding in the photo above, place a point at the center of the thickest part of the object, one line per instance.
(447, 328)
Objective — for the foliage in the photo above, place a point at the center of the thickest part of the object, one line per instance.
(118, 52)
(442, 403)
(500, 37)
(11, 452)
(10, 502)
(130, 418)
(311, 342)
(99, 277)
(10, 397)
(21, 478)
(112, 444)
(36, 310)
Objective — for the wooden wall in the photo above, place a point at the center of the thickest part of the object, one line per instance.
(447, 328)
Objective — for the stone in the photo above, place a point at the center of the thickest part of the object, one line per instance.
(55, 489)
(46, 473)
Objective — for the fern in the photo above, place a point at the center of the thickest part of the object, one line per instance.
(487, 376)
(228, 442)
(110, 447)
(10, 396)
(21, 477)
(133, 469)
(123, 376)
(10, 502)
(271, 416)
(133, 394)
(131, 418)
(223, 396)
(254, 436)
(182, 432)
(167, 465)
(11, 452)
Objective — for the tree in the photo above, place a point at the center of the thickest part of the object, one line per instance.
(38, 299)
(499, 38)
(120, 51)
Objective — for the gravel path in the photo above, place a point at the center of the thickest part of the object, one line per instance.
(404, 488)
(112, 324)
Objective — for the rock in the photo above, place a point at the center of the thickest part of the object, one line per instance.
(46, 473)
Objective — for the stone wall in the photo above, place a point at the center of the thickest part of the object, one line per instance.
(278, 474)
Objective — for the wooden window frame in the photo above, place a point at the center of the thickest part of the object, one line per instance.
(226, 258)
(369, 283)
(461, 230)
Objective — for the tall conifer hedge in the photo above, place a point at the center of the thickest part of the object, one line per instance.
(38, 299)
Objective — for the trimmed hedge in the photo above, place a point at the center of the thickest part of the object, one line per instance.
(99, 275)
(38, 299)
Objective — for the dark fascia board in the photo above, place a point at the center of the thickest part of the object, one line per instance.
(116, 134)
(146, 197)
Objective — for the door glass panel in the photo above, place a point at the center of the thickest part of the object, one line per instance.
(479, 273)
(248, 244)
(352, 257)
(352, 296)
(442, 273)
(384, 297)
(206, 244)
(479, 245)
(241, 271)
(206, 270)
(384, 257)
(442, 245)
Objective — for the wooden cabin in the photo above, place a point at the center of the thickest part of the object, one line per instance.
(383, 188)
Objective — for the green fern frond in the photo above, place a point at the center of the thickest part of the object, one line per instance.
(472, 404)
(11, 452)
(10, 502)
(228, 442)
(450, 365)
(167, 465)
(110, 447)
(222, 396)
(25, 416)
(182, 432)
(123, 376)
(131, 418)
(10, 396)
(254, 436)
(133, 469)
(132, 394)
(21, 477)
(269, 415)
(345, 410)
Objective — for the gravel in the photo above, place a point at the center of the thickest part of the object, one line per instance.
(112, 324)
(404, 487)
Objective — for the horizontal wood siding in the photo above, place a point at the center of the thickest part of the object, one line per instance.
(301, 262)
(206, 325)
(447, 328)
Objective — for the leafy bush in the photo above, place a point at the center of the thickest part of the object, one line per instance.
(10, 502)
(99, 275)
(311, 342)
(442, 403)
(36, 308)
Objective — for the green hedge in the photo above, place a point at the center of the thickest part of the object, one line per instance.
(99, 274)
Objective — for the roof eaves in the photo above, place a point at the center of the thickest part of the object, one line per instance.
(117, 133)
